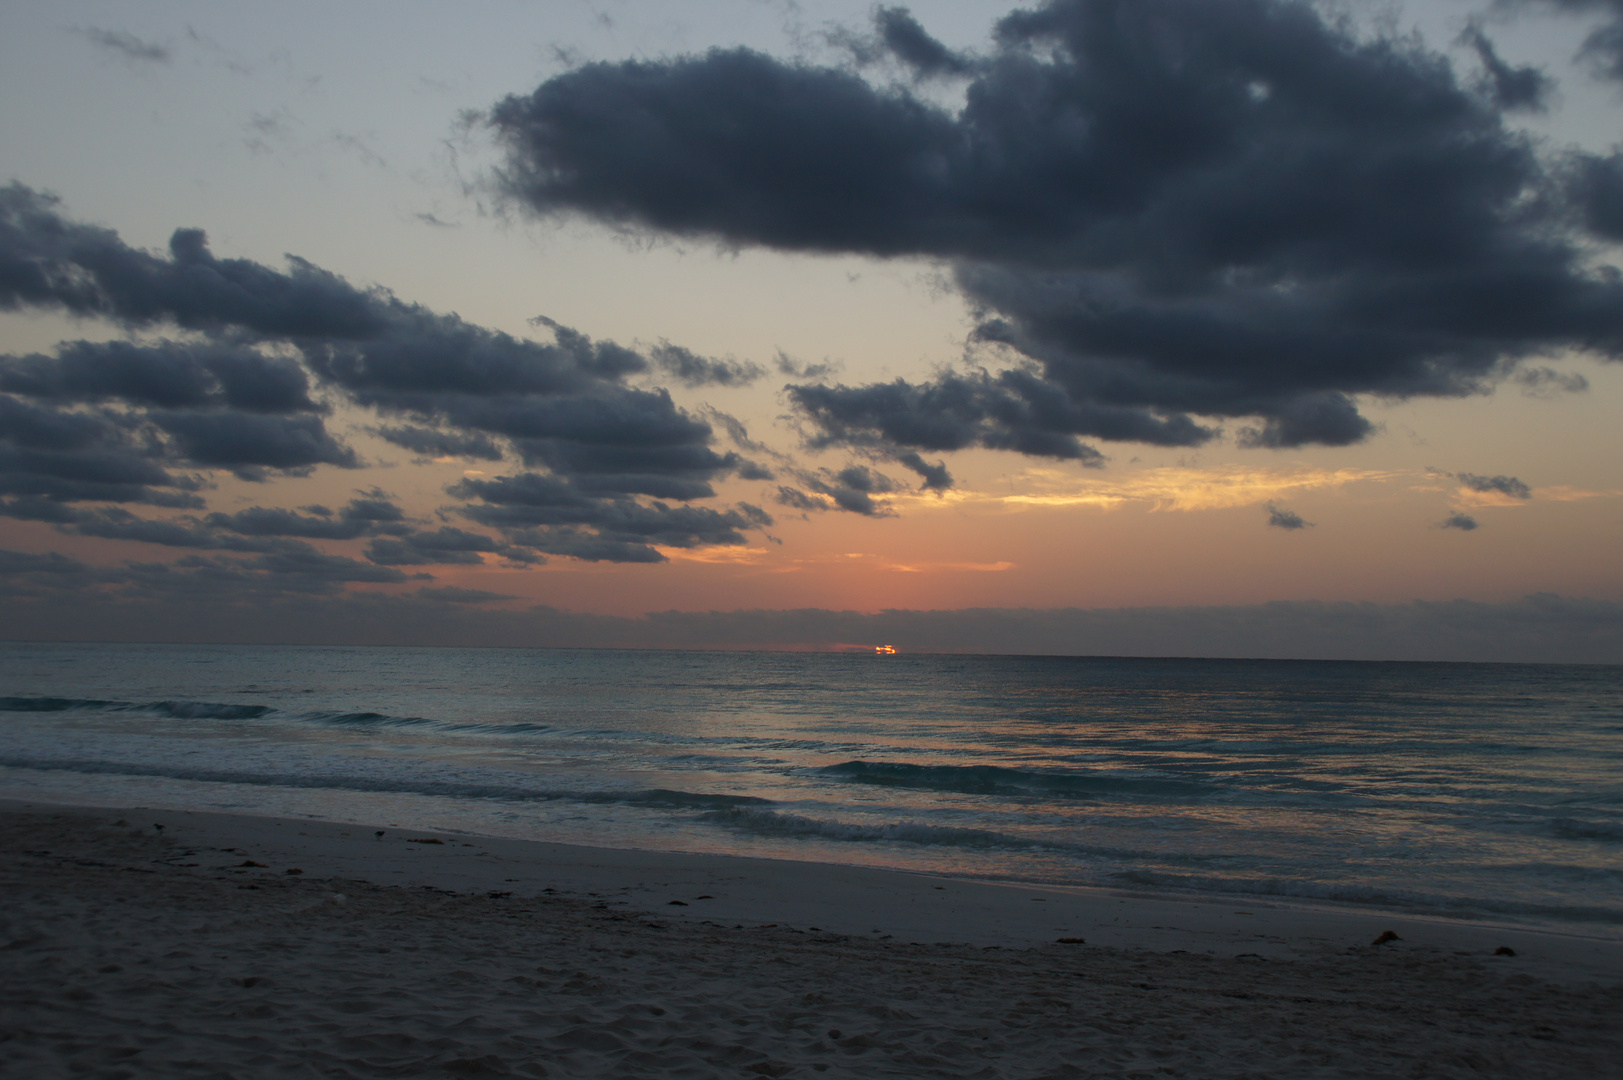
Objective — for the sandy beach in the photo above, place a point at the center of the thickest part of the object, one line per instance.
(225, 946)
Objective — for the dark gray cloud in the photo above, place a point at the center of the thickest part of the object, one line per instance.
(691, 369)
(804, 369)
(1160, 210)
(302, 567)
(248, 444)
(934, 475)
(1504, 485)
(49, 261)
(274, 539)
(552, 515)
(277, 535)
(117, 523)
(739, 434)
(1595, 185)
(125, 45)
(559, 405)
(277, 568)
(855, 489)
(50, 453)
(434, 442)
(296, 568)
(1462, 522)
(909, 42)
(445, 545)
(1281, 518)
(172, 375)
(795, 499)
(153, 407)
(1509, 86)
(360, 517)
(1016, 410)
(242, 400)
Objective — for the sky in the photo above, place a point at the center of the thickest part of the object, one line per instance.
(513, 323)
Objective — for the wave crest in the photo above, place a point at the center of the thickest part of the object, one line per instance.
(1002, 780)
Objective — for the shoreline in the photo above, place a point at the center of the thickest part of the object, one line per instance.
(197, 951)
(857, 901)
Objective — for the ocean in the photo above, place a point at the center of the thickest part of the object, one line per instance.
(1465, 790)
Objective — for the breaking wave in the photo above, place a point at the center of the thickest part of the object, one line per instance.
(204, 710)
(176, 710)
(658, 798)
(1000, 780)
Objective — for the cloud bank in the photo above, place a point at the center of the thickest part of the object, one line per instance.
(250, 365)
(1166, 214)
(45, 597)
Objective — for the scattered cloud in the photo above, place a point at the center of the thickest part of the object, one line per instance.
(437, 222)
(1507, 486)
(1548, 382)
(125, 45)
(805, 369)
(1462, 522)
(1281, 518)
(361, 148)
(691, 369)
(856, 489)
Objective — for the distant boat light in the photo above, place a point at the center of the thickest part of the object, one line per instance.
(885, 650)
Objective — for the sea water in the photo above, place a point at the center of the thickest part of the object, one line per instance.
(1470, 790)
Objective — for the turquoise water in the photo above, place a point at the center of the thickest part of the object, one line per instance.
(1460, 789)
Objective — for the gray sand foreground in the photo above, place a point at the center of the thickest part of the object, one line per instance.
(126, 952)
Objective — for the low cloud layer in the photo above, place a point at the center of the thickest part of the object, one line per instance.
(1168, 215)
(48, 597)
(246, 379)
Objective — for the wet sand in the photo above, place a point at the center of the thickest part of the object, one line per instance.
(128, 951)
